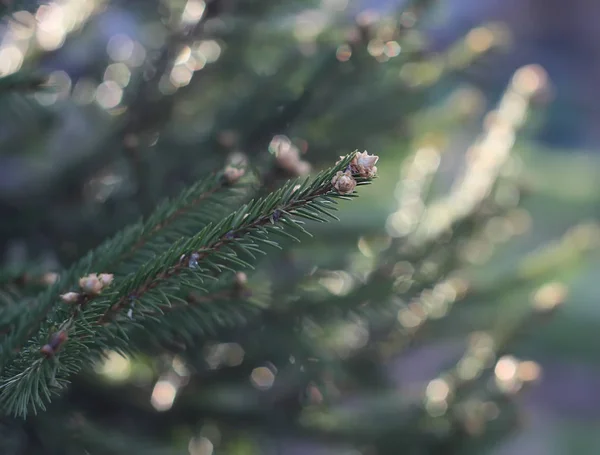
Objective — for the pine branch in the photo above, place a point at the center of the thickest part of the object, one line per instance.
(23, 82)
(123, 253)
(183, 324)
(253, 222)
(78, 338)
(194, 208)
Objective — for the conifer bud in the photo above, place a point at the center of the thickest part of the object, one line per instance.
(50, 278)
(70, 297)
(47, 350)
(241, 278)
(288, 156)
(54, 344)
(240, 285)
(106, 279)
(237, 159)
(233, 174)
(343, 182)
(363, 164)
(91, 284)
(302, 168)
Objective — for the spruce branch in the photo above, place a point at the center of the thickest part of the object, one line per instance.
(30, 378)
(192, 209)
(227, 307)
(219, 247)
(23, 82)
(22, 279)
(195, 207)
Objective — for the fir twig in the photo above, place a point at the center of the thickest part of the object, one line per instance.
(123, 253)
(28, 381)
(21, 82)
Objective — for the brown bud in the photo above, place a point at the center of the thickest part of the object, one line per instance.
(56, 341)
(343, 182)
(237, 159)
(70, 297)
(363, 164)
(106, 279)
(91, 284)
(240, 286)
(288, 158)
(302, 168)
(241, 278)
(50, 278)
(233, 174)
(47, 350)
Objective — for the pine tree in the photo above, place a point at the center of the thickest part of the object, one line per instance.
(210, 320)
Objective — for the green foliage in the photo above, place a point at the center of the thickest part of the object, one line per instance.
(188, 261)
(22, 82)
(212, 296)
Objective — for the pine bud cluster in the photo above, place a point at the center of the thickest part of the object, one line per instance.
(91, 285)
(288, 157)
(362, 165)
(232, 174)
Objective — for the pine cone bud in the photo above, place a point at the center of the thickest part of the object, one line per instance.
(106, 279)
(237, 159)
(91, 284)
(56, 341)
(70, 297)
(302, 168)
(50, 278)
(343, 182)
(241, 278)
(363, 164)
(233, 174)
(287, 157)
(240, 286)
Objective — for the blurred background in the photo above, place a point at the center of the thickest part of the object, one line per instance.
(138, 106)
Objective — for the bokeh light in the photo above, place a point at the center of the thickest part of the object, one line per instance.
(262, 378)
(163, 395)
